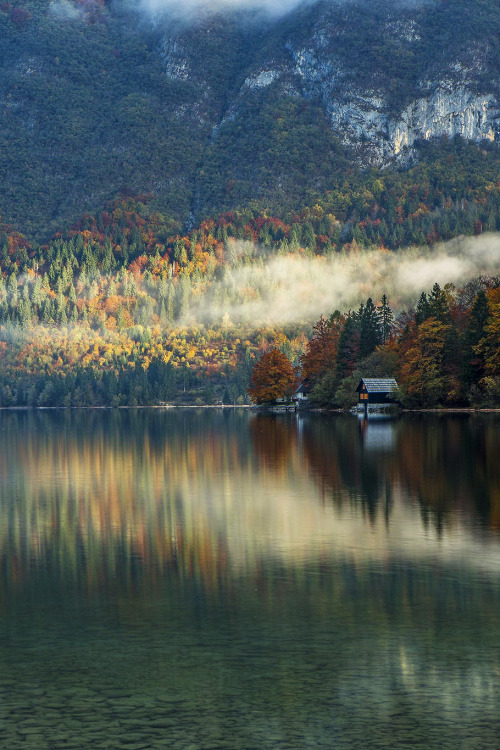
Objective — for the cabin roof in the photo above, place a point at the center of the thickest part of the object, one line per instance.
(304, 387)
(378, 385)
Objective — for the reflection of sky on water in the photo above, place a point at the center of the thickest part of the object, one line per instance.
(378, 434)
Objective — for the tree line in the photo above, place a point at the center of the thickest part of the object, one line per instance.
(443, 352)
(96, 306)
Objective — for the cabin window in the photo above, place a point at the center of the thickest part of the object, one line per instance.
(364, 397)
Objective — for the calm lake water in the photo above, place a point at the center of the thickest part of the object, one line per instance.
(192, 579)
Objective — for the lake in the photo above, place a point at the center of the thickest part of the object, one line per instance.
(222, 579)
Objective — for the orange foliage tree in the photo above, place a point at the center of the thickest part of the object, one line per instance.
(273, 377)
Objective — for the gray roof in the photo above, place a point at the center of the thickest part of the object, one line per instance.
(304, 387)
(380, 385)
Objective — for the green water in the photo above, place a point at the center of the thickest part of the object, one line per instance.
(219, 579)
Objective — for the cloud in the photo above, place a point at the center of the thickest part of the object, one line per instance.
(294, 289)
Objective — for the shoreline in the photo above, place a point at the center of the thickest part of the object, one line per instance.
(253, 407)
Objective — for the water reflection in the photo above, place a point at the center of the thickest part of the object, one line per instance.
(379, 433)
(234, 580)
(448, 465)
(218, 493)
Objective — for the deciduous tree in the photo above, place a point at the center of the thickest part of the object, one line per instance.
(273, 378)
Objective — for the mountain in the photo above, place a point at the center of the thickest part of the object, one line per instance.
(234, 109)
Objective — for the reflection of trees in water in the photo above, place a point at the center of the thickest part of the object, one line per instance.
(335, 451)
(100, 495)
(273, 438)
(447, 464)
(450, 465)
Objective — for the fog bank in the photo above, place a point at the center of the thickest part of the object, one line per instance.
(293, 289)
(194, 8)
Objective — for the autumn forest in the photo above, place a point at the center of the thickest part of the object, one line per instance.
(113, 311)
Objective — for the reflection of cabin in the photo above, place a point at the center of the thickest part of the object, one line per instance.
(378, 432)
(377, 390)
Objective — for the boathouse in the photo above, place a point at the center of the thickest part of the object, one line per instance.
(377, 390)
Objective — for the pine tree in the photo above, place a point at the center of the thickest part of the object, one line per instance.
(386, 317)
(348, 348)
(308, 236)
(473, 362)
(423, 310)
(170, 303)
(163, 314)
(12, 287)
(438, 304)
(295, 237)
(370, 333)
(182, 297)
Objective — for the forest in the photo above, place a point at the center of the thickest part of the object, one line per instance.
(443, 352)
(108, 312)
(142, 206)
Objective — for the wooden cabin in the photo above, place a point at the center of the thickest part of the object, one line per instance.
(301, 395)
(376, 390)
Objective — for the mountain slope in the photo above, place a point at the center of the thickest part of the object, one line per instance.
(230, 110)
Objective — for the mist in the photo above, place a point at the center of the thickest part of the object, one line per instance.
(187, 11)
(190, 9)
(289, 289)
(195, 8)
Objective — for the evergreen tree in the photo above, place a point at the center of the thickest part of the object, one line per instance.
(370, 329)
(348, 347)
(386, 319)
(12, 287)
(423, 309)
(473, 362)
(308, 236)
(182, 297)
(438, 304)
(295, 236)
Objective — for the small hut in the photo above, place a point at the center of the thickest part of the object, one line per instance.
(301, 395)
(376, 390)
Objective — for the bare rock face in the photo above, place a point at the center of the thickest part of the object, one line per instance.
(176, 60)
(445, 112)
(362, 116)
(212, 111)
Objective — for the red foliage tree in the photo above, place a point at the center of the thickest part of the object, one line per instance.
(273, 378)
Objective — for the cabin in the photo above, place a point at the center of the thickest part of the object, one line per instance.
(301, 395)
(377, 390)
